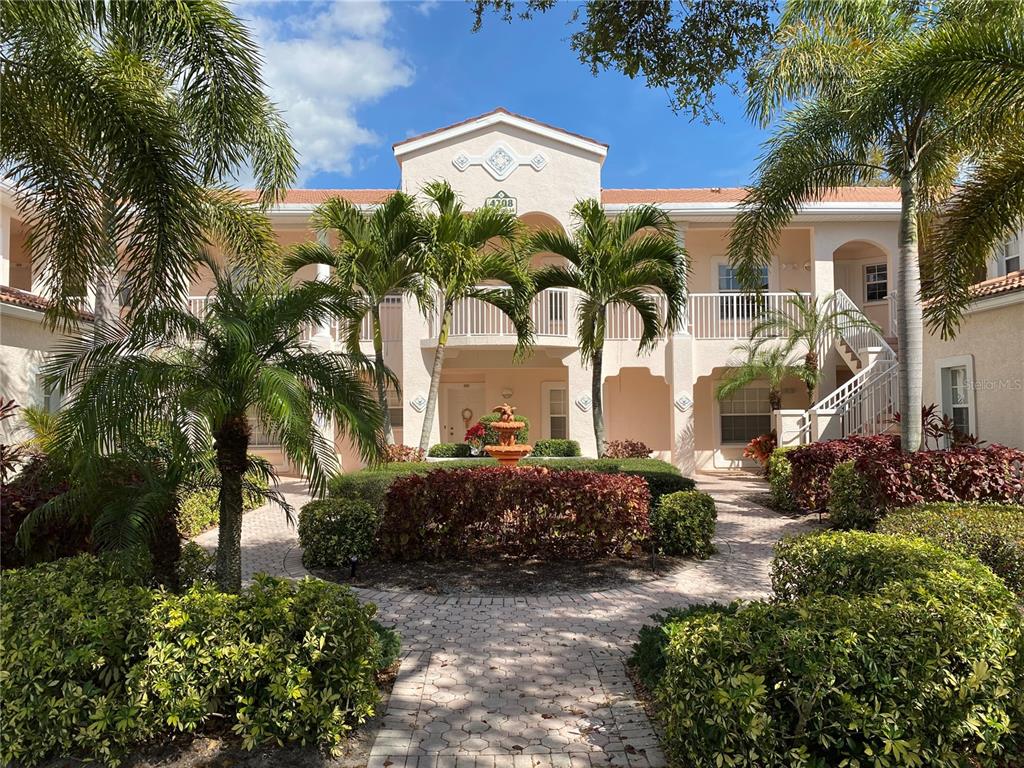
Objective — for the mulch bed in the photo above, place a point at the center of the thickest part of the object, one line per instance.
(505, 576)
(213, 749)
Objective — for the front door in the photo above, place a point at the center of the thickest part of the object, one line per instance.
(464, 405)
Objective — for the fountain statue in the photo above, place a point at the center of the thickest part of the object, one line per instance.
(507, 452)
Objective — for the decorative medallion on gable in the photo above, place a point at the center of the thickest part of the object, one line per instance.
(500, 161)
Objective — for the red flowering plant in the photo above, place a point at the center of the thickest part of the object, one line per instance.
(475, 437)
(760, 449)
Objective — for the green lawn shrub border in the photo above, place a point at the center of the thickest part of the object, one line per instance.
(556, 447)
(683, 523)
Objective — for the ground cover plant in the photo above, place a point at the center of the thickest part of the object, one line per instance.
(111, 663)
(876, 650)
(522, 511)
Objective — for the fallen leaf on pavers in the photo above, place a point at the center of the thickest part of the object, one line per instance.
(517, 748)
(547, 716)
(630, 749)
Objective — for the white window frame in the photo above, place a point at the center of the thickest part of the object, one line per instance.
(718, 418)
(958, 361)
(722, 262)
(546, 388)
(866, 282)
(1011, 249)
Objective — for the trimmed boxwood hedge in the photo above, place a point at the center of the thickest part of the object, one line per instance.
(877, 650)
(556, 447)
(684, 524)
(334, 532)
(448, 451)
(993, 533)
(96, 663)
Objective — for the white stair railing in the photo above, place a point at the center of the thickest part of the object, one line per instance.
(867, 403)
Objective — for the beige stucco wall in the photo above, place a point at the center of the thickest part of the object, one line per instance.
(994, 340)
(637, 407)
(570, 174)
(790, 269)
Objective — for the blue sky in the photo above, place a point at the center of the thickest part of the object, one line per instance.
(354, 77)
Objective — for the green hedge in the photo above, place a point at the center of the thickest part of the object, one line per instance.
(556, 447)
(95, 663)
(335, 531)
(491, 434)
(849, 507)
(879, 653)
(200, 510)
(994, 533)
(448, 451)
(779, 473)
(684, 523)
(372, 484)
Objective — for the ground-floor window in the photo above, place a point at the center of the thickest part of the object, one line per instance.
(395, 407)
(956, 379)
(556, 411)
(745, 415)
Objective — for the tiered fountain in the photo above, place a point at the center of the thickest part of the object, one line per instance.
(507, 452)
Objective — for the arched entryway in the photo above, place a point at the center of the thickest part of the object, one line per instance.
(637, 407)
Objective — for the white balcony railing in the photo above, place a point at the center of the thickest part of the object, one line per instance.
(733, 315)
(390, 321)
(549, 311)
(196, 305)
(623, 323)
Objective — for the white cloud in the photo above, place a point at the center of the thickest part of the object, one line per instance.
(321, 63)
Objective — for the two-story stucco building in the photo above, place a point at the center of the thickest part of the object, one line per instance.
(844, 242)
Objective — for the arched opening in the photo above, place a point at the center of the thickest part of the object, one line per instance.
(637, 407)
(864, 271)
(537, 221)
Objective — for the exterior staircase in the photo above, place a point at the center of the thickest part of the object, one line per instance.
(866, 403)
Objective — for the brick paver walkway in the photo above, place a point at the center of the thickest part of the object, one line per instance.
(535, 682)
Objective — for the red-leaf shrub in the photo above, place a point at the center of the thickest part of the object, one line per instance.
(402, 453)
(967, 473)
(813, 464)
(626, 449)
(517, 511)
(760, 449)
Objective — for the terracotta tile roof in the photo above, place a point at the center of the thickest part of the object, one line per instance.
(998, 285)
(317, 196)
(498, 111)
(736, 194)
(20, 298)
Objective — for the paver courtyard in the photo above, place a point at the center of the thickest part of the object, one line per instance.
(536, 681)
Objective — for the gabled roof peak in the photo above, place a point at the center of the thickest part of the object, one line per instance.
(499, 116)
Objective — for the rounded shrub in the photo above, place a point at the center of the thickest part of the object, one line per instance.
(334, 532)
(96, 663)
(556, 447)
(849, 504)
(877, 651)
(994, 533)
(450, 451)
(683, 523)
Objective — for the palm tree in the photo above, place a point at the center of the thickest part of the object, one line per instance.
(771, 364)
(117, 117)
(844, 129)
(615, 262)
(463, 250)
(808, 323)
(377, 256)
(209, 376)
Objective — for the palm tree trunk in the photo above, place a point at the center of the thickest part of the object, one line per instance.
(382, 393)
(775, 399)
(435, 380)
(813, 374)
(231, 446)
(909, 319)
(598, 403)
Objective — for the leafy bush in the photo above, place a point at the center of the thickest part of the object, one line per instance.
(994, 533)
(402, 453)
(648, 657)
(556, 447)
(848, 504)
(200, 510)
(449, 451)
(967, 473)
(878, 651)
(684, 523)
(779, 473)
(333, 532)
(661, 482)
(514, 511)
(626, 449)
(491, 434)
(195, 565)
(95, 663)
(812, 466)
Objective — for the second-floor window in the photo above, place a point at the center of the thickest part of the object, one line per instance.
(1009, 256)
(739, 307)
(876, 282)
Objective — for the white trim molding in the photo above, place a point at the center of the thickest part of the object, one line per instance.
(959, 361)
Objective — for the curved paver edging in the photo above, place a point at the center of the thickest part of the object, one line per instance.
(538, 680)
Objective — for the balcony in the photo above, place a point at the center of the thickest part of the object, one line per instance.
(733, 316)
(474, 320)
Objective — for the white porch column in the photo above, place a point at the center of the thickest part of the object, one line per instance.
(323, 274)
(416, 364)
(581, 406)
(823, 276)
(5, 246)
(679, 374)
(681, 227)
